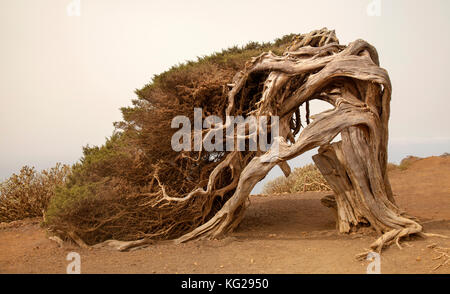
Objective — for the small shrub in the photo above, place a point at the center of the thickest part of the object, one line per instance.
(28, 193)
(407, 161)
(391, 166)
(307, 178)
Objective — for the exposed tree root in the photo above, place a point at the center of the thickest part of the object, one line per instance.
(124, 245)
(443, 254)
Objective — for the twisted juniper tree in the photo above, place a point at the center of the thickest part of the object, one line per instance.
(202, 194)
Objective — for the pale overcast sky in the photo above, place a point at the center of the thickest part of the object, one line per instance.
(64, 78)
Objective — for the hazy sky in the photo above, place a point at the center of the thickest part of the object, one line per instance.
(64, 78)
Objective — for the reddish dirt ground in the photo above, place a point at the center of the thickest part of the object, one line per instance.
(279, 234)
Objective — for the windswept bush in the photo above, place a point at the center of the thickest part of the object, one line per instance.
(28, 193)
(303, 179)
(115, 190)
